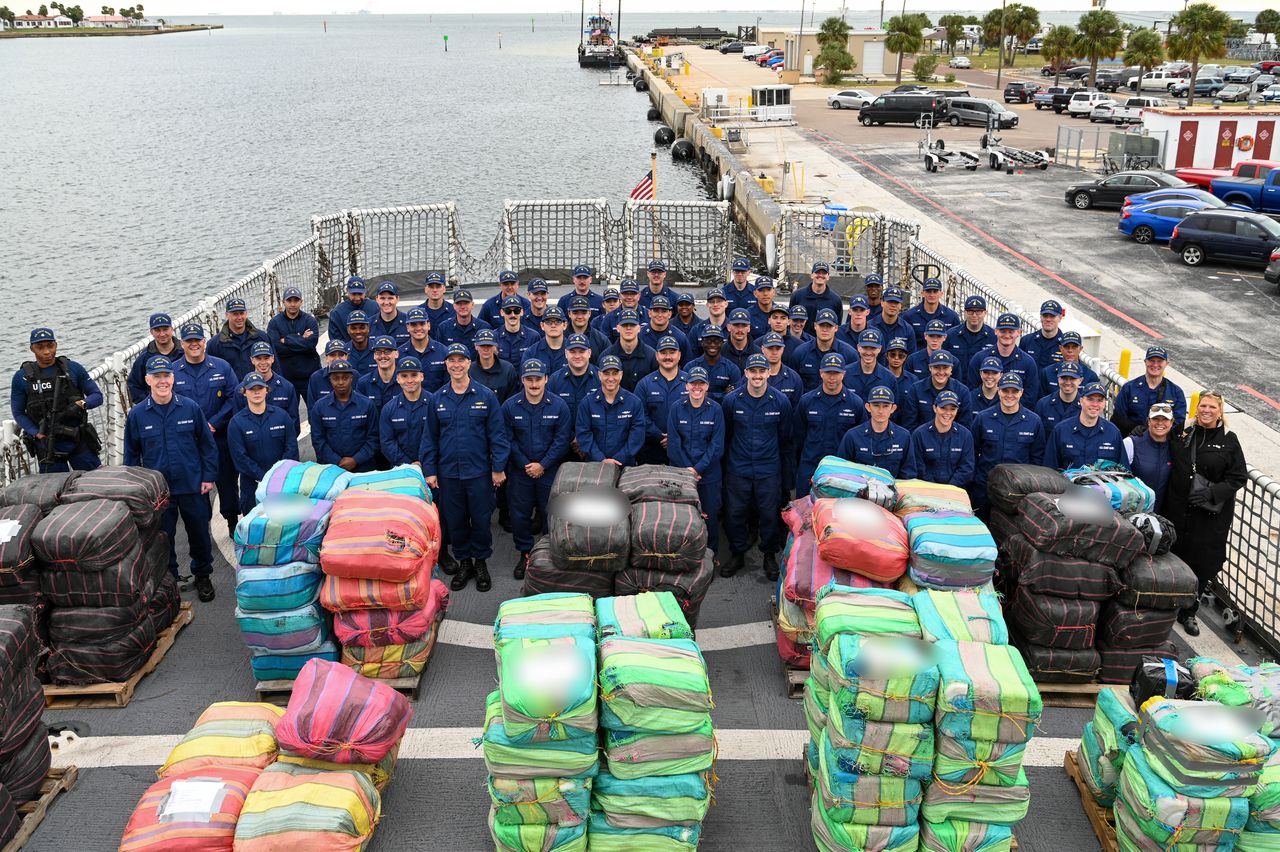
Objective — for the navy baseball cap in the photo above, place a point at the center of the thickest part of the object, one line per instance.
(577, 341)
(582, 271)
(506, 276)
(975, 303)
(388, 287)
(757, 360)
(1010, 380)
(458, 349)
(991, 365)
(684, 299)
(820, 266)
(416, 315)
(942, 358)
(355, 284)
(667, 343)
(893, 294)
(610, 293)
(763, 281)
(1071, 337)
(236, 305)
(715, 293)
(627, 316)
(931, 284)
(340, 367)
(946, 398)
(698, 374)
(462, 296)
(336, 346)
(291, 293)
(357, 318)
(859, 303)
(880, 393)
(739, 316)
(1070, 368)
(772, 339)
(161, 321)
(408, 364)
(826, 316)
(537, 285)
(870, 337)
(434, 278)
(872, 280)
(778, 308)
(1007, 321)
(512, 302)
(712, 331)
(1156, 352)
(485, 337)
(898, 344)
(254, 380)
(384, 341)
(260, 348)
(741, 264)
(579, 303)
(532, 367)
(160, 364)
(190, 331)
(935, 327)
(629, 285)
(832, 362)
(1051, 307)
(1093, 389)
(657, 266)
(610, 362)
(659, 303)
(798, 312)
(553, 314)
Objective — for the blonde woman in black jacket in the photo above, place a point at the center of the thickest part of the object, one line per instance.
(1208, 470)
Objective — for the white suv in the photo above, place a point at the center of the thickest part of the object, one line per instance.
(1082, 103)
(1156, 80)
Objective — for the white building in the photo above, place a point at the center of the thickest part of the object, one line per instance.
(33, 22)
(106, 21)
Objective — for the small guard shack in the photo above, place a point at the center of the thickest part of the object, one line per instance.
(772, 102)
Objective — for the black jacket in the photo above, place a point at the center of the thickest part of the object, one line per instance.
(1217, 455)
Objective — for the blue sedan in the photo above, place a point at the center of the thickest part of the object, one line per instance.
(1156, 220)
(1175, 193)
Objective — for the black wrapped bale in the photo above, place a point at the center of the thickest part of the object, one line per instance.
(1002, 525)
(1066, 623)
(1009, 484)
(542, 575)
(1122, 626)
(658, 483)
(1159, 675)
(575, 476)
(42, 490)
(106, 662)
(87, 536)
(667, 537)
(1118, 664)
(165, 603)
(145, 492)
(1158, 533)
(23, 773)
(689, 587)
(1157, 582)
(18, 525)
(26, 590)
(1057, 665)
(10, 819)
(589, 533)
(1081, 525)
(1061, 576)
(121, 584)
(19, 640)
(95, 625)
(21, 711)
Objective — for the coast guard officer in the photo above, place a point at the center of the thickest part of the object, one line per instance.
(859, 316)
(162, 343)
(582, 287)
(610, 421)
(873, 284)
(781, 377)
(818, 296)
(925, 392)
(234, 341)
(429, 353)
(515, 339)
(1136, 396)
(1087, 437)
(971, 337)
(295, 336)
(686, 316)
(168, 433)
(360, 352)
(508, 288)
(463, 326)
(211, 383)
(491, 371)
(737, 292)
(930, 309)
(1043, 344)
(464, 453)
(318, 385)
(935, 334)
(695, 440)
(807, 357)
(657, 391)
(722, 374)
(637, 359)
(658, 326)
(355, 301)
(403, 418)
(878, 441)
(890, 321)
(1008, 433)
(259, 435)
(40, 383)
(758, 438)
(657, 273)
(717, 314)
(344, 425)
(1064, 402)
(738, 346)
(280, 392)
(607, 322)
(1012, 359)
(380, 385)
(577, 378)
(986, 394)
(822, 417)
(435, 306)
(758, 311)
(580, 324)
(541, 429)
(550, 346)
(942, 449)
(537, 309)
(795, 335)
(1068, 352)
(389, 319)
(861, 375)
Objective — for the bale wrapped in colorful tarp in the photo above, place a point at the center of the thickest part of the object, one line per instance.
(103, 662)
(1106, 741)
(1157, 582)
(688, 587)
(529, 757)
(339, 594)
(303, 479)
(87, 536)
(962, 615)
(859, 536)
(285, 631)
(1241, 686)
(548, 687)
(836, 477)
(1058, 665)
(815, 704)
(377, 536)
(1009, 484)
(642, 754)
(281, 530)
(831, 835)
(228, 733)
(961, 763)
(1066, 623)
(194, 811)
(118, 585)
(919, 495)
(650, 615)
(540, 801)
(296, 807)
(551, 837)
(1203, 749)
(950, 550)
(286, 666)
(1099, 772)
(854, 746)
(1125, 492)
(795, 622)
(657, 483)
(94, 625)
(17, 556)
(881, 678)
(388, 662)
(1264, 804)
(335, 714)
(1079, 525)
(667, 537)
(371, 628)
(379, 773)
(653, 685)
(405, 479)
(637, 803)
(807, 572)
(545, 616)
(956, 835)
(1051, 574)
(864, 798)
(607, 837)
(1000, 805)
(265, 588)
(985, 693)
(1166, 816)
(879, 611)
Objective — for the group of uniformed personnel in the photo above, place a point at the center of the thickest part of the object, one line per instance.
(490, 402)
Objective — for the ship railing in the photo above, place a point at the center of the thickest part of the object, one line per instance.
(854, 242)
(694, 238)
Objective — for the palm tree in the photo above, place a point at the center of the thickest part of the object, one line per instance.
(1097, 35)
(954, 25)
(1200, 30)
(904, 37)
(993, 32)
(833, 49)
(1267, 23)
(1022, 22)
(1058, 48)
(1145, 49)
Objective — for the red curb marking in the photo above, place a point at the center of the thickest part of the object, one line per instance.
(1259, 395)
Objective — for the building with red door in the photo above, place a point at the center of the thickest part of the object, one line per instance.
(1204, 137)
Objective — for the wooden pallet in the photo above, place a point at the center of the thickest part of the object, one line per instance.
(278, 691)
(1100, 818)
(795, 676)
(1075, 695)
(116, 695)
(33, 812)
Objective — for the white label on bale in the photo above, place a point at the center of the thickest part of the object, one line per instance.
(192, 798)
(9, 529)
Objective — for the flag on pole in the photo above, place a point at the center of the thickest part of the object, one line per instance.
(644, 189)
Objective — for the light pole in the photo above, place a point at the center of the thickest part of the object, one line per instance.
(1000, 49)
(800, 38)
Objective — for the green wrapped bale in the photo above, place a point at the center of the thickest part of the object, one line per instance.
(882, 678)
(962, 762)
(649, 615)
(977, 802)
(831, 835)
(606, 837)
(674, 800)
(964, 836)
(545, 616)
(640, 754)
(986, 693)
(548, 688)
(856, 746)
(653, 685)
(842, 609)
(507, 757)
(867, 799)
(540, 801)
(1171, 818)
(551, 837)
(1253, 841)
(1240, 686)
(1101, 774)
(1264, 804)
(1203, 749)
(962, 616)
(815, 712)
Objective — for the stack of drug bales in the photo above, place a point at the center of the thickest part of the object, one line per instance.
(278, 573)
(1107, 739)
(378, 556)
(950, 548)
(540, 739)
(22, 506)
(24, 744)
(104, 574)
(589, 533)
(655, 718)
(668, 537)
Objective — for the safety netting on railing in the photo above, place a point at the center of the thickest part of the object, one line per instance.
(334, 258)
(404, 241)
(548, 238)
(854, 242)
(293, 268)
(694, 238)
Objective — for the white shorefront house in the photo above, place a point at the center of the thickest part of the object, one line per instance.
(106, 21)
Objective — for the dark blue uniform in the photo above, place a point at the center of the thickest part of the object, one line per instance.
(258, 441)
(917, 364)
(174, 439)
(918, 319)
(1049, 376)
(1149, 460)
(607, 324)
(395, 328)
(1072, 444)
(540, 434)
(758, 441)
(318, 387)
(759, 319)
(686, 328)
(80, 458)
(812, 301)
(361, 360)
(234, 348)
(513, 346)
(338, 316)
(807, 357)
(738, 357)
(500, 378)
(923, 395)
(695, 438)
(888, 331)
(400, 428)
(861, 383)
(137, 381)
(1043, 350)
(1016, 361)
(848, 335)
(979, 403)
(464, 444)
(964, 344)
(723, 376)
(636, 364)
(657, 393)
(297, 357)
(790, 343)
(378, 391)
(943, 457)
(787, 382)
(491, 310)
(650, 337)
(436, 316)
(889, 449)
(1136, 397)
(280, 394)
(1052, 410)
(1001, 438)
(647, 295)
(451, 332)
(212, 384)
(345, 429)
(744, 298)
(553, 359)
(593, 298)
(610, 430)
(573, 389)
(434, 374)
(821, 420)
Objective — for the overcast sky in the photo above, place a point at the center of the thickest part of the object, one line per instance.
(251, 7)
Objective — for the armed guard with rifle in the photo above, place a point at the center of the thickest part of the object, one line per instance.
(50, 398)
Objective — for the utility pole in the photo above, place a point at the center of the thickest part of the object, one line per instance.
(1000, 49)
(800, 38)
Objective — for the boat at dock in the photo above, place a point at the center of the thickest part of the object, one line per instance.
(598, 47)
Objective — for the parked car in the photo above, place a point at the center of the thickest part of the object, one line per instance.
(1076, 72)
(1130, 109)
(1043, 99)
(1230, 235)
(1050, 70)
(1082, 103)
(1273, 269)
(767, 55)
(910, 87)
(1176, 193)
(775, 61)
(902, 108)
(1155, 221)
(981, 112)
(1243, 75)
(754, 51)
(1244, 169)
(1228, 71)
(1209, 71)
(1103, 111)
(1262, 82)
(1019, 92)
(1156, 81)
(949, 93)
(1033, 46)
(1271, 93)
(733, 47)
(1205, 87)
(1258, 193)
(959, 62)
(1114, 81)
(850, 99)
(1234, 92)
(1111, 191)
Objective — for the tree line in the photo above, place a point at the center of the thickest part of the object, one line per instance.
(75, 13)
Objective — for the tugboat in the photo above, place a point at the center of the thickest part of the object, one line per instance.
(598, 47)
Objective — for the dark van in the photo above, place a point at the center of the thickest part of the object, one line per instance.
(903, 109)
